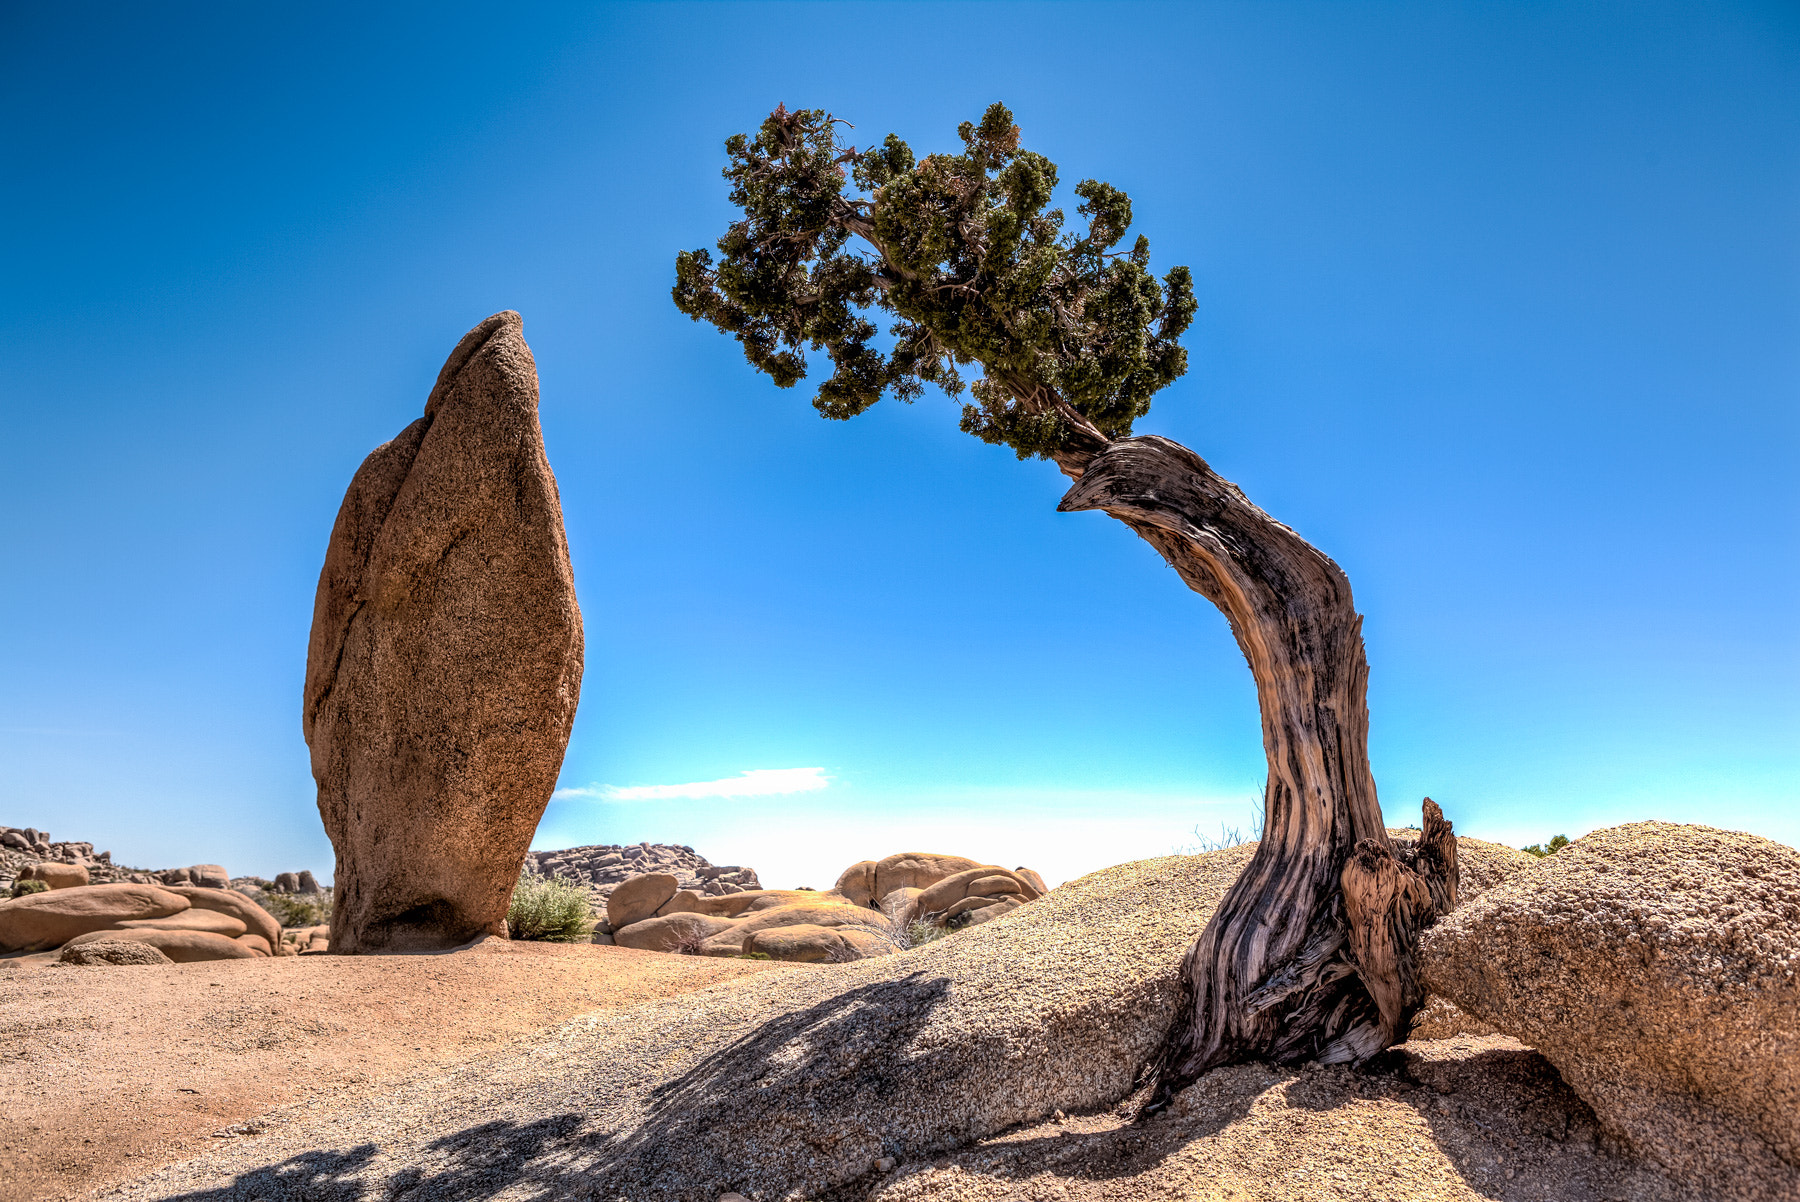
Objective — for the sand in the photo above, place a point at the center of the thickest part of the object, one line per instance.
(108, 1072)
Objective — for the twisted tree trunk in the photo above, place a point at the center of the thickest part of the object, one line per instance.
(1309, 955)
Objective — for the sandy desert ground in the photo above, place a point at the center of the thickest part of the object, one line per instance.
(108, 1072)
(111, 1073)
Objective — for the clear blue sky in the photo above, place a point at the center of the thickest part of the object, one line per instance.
(1499, 305)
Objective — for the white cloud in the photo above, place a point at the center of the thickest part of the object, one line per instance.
(752, 782)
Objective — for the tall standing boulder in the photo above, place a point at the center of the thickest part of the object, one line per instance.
(445, 660)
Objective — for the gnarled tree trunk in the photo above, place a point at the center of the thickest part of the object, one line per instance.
(1309, 956)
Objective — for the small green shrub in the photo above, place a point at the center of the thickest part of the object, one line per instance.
(22, 888)
(292, 910)
(918, 934)
(1541, 850)
(549, 910)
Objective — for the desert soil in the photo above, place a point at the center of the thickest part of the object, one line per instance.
(108, 1072)
(340, 1077)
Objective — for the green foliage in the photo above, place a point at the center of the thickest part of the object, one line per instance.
(920, 933)
(550, 910)
(297, 910)
(1541, 849)
(963, 253)
(24, 888)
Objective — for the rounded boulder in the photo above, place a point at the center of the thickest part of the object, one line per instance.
(111, 951)
(671, 932)
(183, 947)
(210, 921)
(917, 870)
(40, 921)
(56, 876)
(1657, 966)
(231, 903)
(809, 944)
(857, 883)
(824, 913)
(639, 898)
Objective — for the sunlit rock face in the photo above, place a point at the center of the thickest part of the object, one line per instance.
(445, 660)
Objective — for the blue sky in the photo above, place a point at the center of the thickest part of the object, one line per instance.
(1499, 306)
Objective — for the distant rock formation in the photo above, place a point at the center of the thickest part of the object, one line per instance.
(871, 912)
(445, 661)
(207, 876)
(601, 868)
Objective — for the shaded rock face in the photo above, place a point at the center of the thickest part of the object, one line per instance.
(1657, 966)
(445, 661)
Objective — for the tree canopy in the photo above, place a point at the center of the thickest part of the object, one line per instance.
(1071, 336)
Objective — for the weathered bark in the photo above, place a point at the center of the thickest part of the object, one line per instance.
(1310, 954)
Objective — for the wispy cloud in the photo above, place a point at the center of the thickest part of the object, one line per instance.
(752, 782)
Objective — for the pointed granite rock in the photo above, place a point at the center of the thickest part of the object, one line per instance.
(445, 660)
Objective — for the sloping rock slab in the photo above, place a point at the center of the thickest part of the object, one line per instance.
(1658, 967)
(788, 1087)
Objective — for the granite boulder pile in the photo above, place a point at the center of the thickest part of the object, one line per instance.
(875, 909)
(598, 869)
(183, 923)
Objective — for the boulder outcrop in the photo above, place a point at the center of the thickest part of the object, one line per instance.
(56, 876)
(869, 913)
(192, 919)
(207, 876)
(183, 947)
(129, 913)
(445, 659)
(800, 1085)
(294, 882)
(234, 905)
(40, 921)
(599, 869)
(1657, 966)
(639, 898)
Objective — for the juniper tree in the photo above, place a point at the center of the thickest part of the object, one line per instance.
(1058, 338)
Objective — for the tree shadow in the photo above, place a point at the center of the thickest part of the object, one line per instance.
(797, 1082)
(816, 1076)
(1513, 1128)
(1124, 1150)
(325, 1176)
